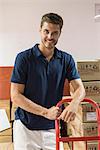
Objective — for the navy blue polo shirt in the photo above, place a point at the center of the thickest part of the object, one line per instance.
(44, 82)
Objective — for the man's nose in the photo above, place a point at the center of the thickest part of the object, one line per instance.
(50, 35)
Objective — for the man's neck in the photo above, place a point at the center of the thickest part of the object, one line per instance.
(46, 52)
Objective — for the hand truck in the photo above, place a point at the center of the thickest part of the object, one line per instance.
(75, 139)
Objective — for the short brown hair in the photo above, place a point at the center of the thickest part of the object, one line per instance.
(52, 18)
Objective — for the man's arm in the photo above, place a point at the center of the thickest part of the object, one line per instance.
(21, 101)
(69, 112)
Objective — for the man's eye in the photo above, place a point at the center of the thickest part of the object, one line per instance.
(55, 33)
(46, 31)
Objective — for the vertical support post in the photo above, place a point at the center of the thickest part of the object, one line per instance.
(57, 134)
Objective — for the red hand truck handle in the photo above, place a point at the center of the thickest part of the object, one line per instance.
(72, 139)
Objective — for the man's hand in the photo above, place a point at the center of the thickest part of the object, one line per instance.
(69, 113)
(53, 113)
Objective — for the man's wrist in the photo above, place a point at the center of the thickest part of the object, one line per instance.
(44, 112)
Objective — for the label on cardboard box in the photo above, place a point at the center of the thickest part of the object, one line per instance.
(92, 88)
(88, 66)
(91, 116)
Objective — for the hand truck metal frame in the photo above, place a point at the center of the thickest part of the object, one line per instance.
(83, 138)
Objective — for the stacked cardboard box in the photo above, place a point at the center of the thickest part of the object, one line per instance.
(89, 113)
(89, 70)
(92, 146)
(90, 75)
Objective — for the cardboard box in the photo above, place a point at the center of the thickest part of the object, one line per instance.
(6, 135)
(5, 104)
(7, 132)
(89, 70)
(87, 107)
(6, 146)
(5, 139)
(90, 129)
(89, 117)
(66, 146)
(92, 145)
(88, 113)
(92, 89)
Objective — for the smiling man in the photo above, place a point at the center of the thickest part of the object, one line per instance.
(37, 86)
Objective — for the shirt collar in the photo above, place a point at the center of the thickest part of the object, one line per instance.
(57, 53)
(37, 52)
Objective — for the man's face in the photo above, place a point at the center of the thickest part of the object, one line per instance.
(49, 35)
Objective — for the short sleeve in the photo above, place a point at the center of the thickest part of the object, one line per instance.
(20, 70)
(72, 72)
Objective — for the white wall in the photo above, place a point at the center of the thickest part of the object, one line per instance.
(20, 20)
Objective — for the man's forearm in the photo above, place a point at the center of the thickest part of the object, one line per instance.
(28, 105)
(78, 95)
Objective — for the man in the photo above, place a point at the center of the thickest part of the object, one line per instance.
(37, 85)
